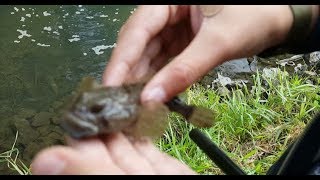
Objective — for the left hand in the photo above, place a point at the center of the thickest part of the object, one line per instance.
(114, 154)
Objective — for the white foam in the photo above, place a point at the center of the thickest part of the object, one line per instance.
(23, 33)
(81, 9)
(103, 15)
(84, 54)
(114, 20)
(45, 13)
(79, 6)
(60, 27)
(16, 9)
(12, 13)
(47, 28)
(75, 38)
(98, 49)
(33, 40)
(22, 19)
(28, 15)
(77, 12)
(22, 9)
(56, 32)
(89, 17)
(16, 41)
(43, 45)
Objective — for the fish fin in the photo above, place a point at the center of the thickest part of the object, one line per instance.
(202, 117)
(88, 83)
(152, 122)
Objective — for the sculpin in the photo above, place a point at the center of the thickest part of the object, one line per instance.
(96, 109)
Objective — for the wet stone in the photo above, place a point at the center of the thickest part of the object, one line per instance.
(55, 120)
(26, 113)
(26, 133)
(41, 119)
(44, 130)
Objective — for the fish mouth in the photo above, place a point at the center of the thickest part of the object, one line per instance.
(76, 127)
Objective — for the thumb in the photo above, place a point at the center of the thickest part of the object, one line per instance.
(202, 54)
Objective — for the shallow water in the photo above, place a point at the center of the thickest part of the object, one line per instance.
(45, 51)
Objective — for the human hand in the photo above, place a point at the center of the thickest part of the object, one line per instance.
(154, 34)
(114, 154)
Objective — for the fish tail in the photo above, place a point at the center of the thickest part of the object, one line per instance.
(201, 117)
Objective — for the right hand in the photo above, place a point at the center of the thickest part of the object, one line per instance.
(196, 44)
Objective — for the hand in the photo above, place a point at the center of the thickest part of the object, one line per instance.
(155, 34)
(114, 154)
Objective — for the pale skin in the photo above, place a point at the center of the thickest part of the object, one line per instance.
(194, 44)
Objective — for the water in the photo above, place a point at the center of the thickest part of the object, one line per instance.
(45, 51)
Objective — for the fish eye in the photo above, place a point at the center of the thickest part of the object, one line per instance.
(96, 108)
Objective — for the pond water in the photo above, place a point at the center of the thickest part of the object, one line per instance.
(45, 51)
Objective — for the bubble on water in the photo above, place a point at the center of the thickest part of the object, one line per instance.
(67, 14)
(77, 12)
(16, 9)
(114, 20)
(60, 27)
(47, 28)
(28, 15)
(16, 41)
(33, 40)
(84, 54)
(81, 9)
(43, 45)
(22, 9)
(23, 33)
(116, 13)
(75, 38)
(45, 13)
(37, 15)
(103, 15)
(79, 6)
(89, 17)
(98, 49)
(56, 32)
(23, 25)
(12, 13)
(22, 19)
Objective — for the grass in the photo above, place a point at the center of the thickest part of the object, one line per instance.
(253, 127)
(13, 162)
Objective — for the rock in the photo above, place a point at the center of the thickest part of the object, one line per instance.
(31, 150)
(26, 113)
(44, 130)
(58, 130)
(41, 119)
(26, 133)
(55, 120)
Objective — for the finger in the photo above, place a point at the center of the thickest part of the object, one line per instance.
(142, 68)
(142, 26)
(161, 163)
(59, 160)
(125, 156)
(196, 60)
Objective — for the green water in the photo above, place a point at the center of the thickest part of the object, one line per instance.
(44, 52)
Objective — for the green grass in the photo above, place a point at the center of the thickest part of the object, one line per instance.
(11, 157)
(252, 127)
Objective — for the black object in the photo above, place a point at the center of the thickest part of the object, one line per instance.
(302, 157)
(214, 153)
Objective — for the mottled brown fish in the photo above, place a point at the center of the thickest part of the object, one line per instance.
(97, 109)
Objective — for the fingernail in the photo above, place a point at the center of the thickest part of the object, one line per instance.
(155, 94)
(50, 165)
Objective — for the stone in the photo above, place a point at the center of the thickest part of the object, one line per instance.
(41, 119)
(55, 120)
(27, 134)
(26, 113)
(44, 130)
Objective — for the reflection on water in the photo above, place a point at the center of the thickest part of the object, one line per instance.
(45, 51)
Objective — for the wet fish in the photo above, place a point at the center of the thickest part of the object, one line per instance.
(97, 109)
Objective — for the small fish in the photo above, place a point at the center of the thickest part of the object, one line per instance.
(96, 109)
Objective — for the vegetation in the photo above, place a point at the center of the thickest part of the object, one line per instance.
(253, 127)
(11, 157)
